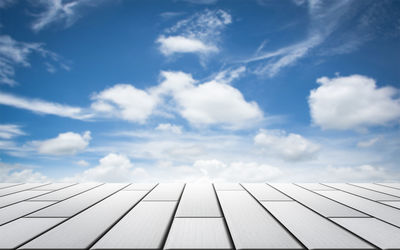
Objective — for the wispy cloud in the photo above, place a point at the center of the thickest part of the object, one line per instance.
(59, 11)
(199, 33)
(9, 131)
(15, 53)
(43, 107)
(324, 19)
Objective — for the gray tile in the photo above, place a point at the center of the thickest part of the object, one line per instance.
(369, 194)
(67, 192)
(263, 192)
(21, 209)
(165, 192)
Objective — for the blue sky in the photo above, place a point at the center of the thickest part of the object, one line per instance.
(199, 90)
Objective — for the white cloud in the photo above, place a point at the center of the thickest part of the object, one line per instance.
(199, 33)
(59, 11)
(83, 163)
(18, 173)
(179, 44)
(290, 146)
(14, 53)
(125, 101)
(210, 102)
(9, 131)
(353, 102)
(43, 107)
(368, 143)
(168, 127)
(111, 168)
(68, 143)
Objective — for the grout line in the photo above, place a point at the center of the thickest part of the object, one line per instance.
(70, 217)
(120, 218)
(276, 219)
(223, 216)
(164, 240)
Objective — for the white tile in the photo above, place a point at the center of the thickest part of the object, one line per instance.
(379, 188)
(140, 186)
(18, 188)
(198, 233)
(263, 192)
(392, 185)
(313, 230)
(369, 194)
(250, 225)
(67, 192)
(316, 202)
(227, 186)
(165, 192)
(21, 209)
(198, 200)
(19, 231)
(54, 186)
(379, 233)
(20, 196)
(373, 208)
(144, 227)
(80, 202)
(314, 186)
(395, 204)
(5, 185)
(82, 230)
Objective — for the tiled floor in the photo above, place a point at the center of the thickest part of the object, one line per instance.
(199, 216)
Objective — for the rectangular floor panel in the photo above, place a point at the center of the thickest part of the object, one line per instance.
(21, 209)
(395, 204)
(317, 202)
(381, 211)
(22, 230)
(198, 200)
(198, 233)
(263, 192)
(20, 196)
(313, 230)
(140, 186)
(251, 227)
(54, 186)
(369, 194)
(165, 192)
(80, 202)
(82, 230)
(144, 227)
(67, 192)
(6, 185)
(314, 186)
(227, 186)
(19, 188)
(379, 188)
(392, 185)
(377, 232)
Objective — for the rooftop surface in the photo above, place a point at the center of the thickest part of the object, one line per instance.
(199, 216)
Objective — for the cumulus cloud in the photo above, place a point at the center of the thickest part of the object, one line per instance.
(126, 102)
(43, 107)
(290, 146)
(353, 102)
(168, 127)
(180, 44)
(9, 131)
(208, 103)
(111, 168)
(18, 173)
(68, 143)
(83, 163)
(199, 33)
